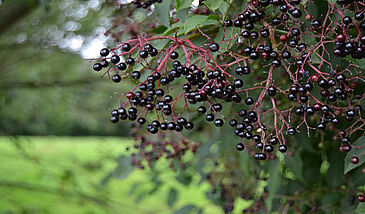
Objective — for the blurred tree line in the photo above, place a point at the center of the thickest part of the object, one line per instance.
(45, 85)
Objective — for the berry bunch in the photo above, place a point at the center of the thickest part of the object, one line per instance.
(183, 80)
(269, 73)
(145, 3)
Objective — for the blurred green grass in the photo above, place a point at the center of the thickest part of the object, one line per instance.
(63, 174)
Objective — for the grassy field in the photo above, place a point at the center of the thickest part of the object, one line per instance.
(62, 175)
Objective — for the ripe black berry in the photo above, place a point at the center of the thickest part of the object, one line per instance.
(283, 148)
(143, 54)
(249, 101)
(296, 13)
(238, 83)
(126, 47)
(347, 20)
(114, 119)
(174, 55)
(291, 97)
(141, 120)
(265, 33)
(116, 78)
(269, 148)
(115, 59)
(286, 55)
(104, 63)
(228, 23)
(276, 21)
(217, 107)
(122, 66)
(104, 52)
(238, 23)
(209, 117)
(97, 67)
(202, 109)
(130, 61)
(295, 32)
(189, 125)
(291, 131)
(214, 47)
(276, 63)
(240, 147)
(233, 122)
(271, 91)
(135, 74)
(316, 24)
(218, 122)
(359, 16)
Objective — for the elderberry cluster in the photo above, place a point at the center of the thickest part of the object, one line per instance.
(145, 3)
(182, 81)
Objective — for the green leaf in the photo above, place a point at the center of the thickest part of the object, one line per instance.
(182, 15)
(122, 170)
(360, 208)
(315, 59)
(139, 16)
(355, 152)
(184, 178)
(171, 199)
(182, 4)
(273, 183)
(224, 8)
(210, 22)
(311, 166)
(213, 4)
(335, 171)
(295, 164)
(162, 11)
(185, 209)
(194, 21)
(359, 62)
(124, 167)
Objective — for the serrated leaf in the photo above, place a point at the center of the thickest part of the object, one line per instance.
(213, 4)
(182, 4)
(194, 21)
(224, 8)
(355, 151)
(185, 209)
(172, 197)
(162, 11)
